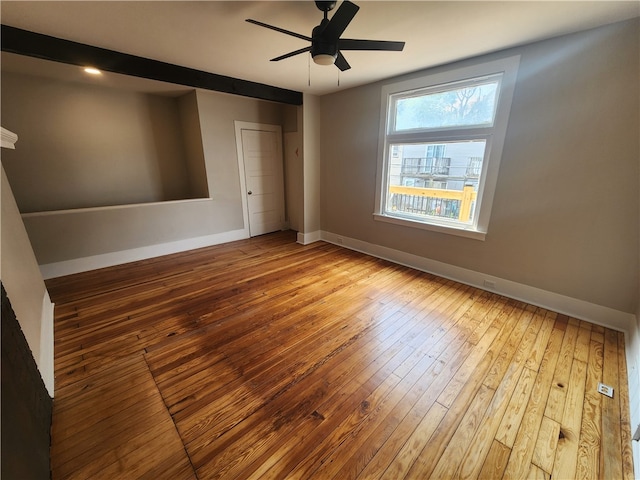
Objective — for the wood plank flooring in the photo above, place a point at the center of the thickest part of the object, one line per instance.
(263, 358)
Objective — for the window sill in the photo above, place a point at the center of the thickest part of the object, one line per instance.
(450, 230)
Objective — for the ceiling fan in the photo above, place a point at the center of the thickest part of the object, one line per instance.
(326, 45)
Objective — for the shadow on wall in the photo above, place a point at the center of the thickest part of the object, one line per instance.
(166, 141)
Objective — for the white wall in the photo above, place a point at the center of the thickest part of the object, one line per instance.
(25, 287)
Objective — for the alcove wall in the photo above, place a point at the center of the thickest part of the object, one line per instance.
(84, 145)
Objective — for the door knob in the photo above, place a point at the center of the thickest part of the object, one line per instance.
(249, 192)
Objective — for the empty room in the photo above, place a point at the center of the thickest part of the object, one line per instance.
(314, 240)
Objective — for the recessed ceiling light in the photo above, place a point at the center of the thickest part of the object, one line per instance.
(92, 71)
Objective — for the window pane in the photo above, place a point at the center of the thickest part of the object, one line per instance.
(471, 105)
(428, 181)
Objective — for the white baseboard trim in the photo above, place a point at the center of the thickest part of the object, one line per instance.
(84, 264)
(45, 362)
(572, 307)
(307, 238)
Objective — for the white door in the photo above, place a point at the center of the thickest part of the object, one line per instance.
(261, 159)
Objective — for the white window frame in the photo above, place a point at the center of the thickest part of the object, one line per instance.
(494, 135)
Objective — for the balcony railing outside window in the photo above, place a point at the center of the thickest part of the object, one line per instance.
(433, 202)
(475, 167)
(426, 165)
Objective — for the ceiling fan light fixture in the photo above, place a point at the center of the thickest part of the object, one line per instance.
(324, 59)
(326, 44)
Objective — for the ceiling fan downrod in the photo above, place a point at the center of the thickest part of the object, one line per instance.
(326, 7)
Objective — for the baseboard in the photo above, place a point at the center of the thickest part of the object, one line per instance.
(580, 309)
(307, 238)
(84, 264)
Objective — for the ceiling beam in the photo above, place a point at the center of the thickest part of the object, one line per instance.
(24, 42)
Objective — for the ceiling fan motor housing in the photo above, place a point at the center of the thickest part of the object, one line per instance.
(326, 6)
(320, 45)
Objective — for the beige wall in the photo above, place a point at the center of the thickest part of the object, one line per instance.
(70, 235)
(565, 214)
(218, 112)
(294, 180)
(24, 285)
(86, 146)
(311, 147)
(293, 171)
(192, 137)
(78, 233)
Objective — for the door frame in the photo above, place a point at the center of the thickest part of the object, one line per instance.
(264, 127)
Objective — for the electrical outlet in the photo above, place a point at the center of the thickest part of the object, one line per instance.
(489, 284)
(605, 390)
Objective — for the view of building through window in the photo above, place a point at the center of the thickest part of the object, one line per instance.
(417, 173)
(441, 142)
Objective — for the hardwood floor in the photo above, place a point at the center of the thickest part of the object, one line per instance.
(263, 358)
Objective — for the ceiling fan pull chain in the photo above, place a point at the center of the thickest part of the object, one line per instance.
(309, 67)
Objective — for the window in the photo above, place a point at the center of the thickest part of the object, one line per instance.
(440, 147)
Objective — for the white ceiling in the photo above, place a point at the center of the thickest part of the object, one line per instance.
(213, 36)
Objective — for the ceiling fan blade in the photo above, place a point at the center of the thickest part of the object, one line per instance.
(342, 63)
(340, 20)
(278, 29)
(353, 44)
(291, 54)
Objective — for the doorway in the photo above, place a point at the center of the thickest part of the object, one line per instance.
(260, 166)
